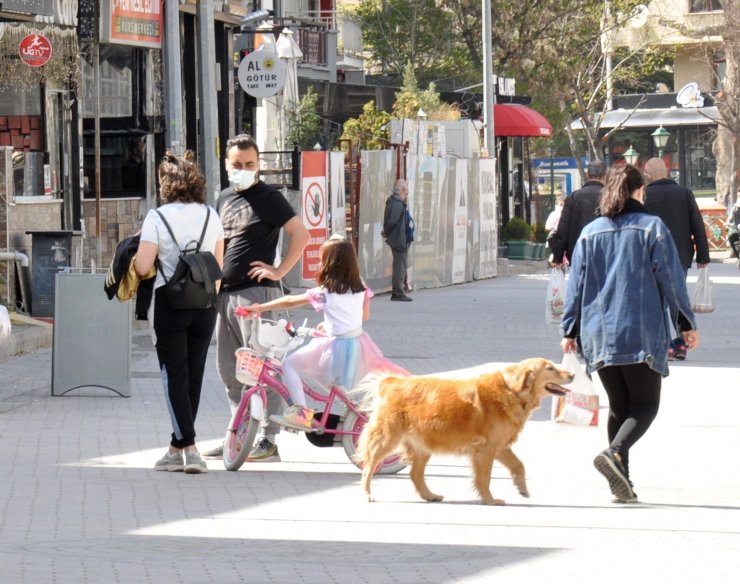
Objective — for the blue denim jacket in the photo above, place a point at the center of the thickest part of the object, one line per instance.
(626, 286)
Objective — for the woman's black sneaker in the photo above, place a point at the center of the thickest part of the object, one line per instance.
(608, 465)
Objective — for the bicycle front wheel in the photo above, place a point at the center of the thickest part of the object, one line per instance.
(354, 423)
(241, 433)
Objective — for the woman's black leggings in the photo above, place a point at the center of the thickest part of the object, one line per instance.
(183, 338)
(634, 397)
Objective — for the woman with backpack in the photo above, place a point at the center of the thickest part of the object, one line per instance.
(183, 223)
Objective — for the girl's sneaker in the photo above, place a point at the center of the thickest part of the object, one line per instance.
(296, 417)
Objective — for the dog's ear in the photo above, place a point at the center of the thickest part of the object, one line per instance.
(518, 378)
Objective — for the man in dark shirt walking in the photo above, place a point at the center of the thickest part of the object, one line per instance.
(578, 211)
(677, 207)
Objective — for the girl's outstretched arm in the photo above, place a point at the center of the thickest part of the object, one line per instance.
(292, 301)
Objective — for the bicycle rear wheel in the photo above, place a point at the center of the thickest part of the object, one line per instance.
(354, 423)
(241, 433)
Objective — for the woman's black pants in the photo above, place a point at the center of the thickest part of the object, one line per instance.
(183, 338)
(634, 397)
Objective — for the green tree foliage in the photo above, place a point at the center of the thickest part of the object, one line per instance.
(369, 131)
(396, 32)
(304, 123)
(411, 99)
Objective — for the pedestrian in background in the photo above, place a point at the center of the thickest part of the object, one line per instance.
(252, 213)
(182, 335)
(677, 207)
(578, 211)
(395, 223)
(626, 277)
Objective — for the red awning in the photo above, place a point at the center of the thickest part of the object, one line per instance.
(518, 120)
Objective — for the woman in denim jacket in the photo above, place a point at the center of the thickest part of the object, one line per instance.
(626, 286)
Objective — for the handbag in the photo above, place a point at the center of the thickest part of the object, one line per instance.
(555, 299)
(581, 406)
(701, 299)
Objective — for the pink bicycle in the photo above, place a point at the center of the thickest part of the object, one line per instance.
(339, 424)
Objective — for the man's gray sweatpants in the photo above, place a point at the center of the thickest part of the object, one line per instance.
(233, 333)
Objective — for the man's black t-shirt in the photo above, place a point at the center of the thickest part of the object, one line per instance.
(252, 220)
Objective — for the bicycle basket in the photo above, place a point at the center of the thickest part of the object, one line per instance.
(249, 366)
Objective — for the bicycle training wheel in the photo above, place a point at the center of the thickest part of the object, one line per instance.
(354, 423)
(240, 436)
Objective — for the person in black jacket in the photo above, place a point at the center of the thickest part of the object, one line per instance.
(677, 207)
(578, 211)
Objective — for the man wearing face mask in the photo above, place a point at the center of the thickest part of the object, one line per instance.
(252, 214)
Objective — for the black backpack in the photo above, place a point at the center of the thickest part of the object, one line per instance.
(193, 284)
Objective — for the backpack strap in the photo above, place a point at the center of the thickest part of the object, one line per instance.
(205, 227)
(167, 225)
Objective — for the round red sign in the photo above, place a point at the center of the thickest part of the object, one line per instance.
(35, 50)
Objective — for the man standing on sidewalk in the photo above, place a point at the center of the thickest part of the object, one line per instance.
(252, 214)
(395, 221)
(677, 207)
(578, 211)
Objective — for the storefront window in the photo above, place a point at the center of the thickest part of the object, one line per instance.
(122, 166)
(701, 165)
(116, 81)
(705, 6)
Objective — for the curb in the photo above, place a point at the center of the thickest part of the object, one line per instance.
(26, 340)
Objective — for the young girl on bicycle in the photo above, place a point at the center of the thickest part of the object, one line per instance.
(346, 354)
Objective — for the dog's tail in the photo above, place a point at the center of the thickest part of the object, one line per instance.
(365, 394)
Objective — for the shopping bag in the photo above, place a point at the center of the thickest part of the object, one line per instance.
(701, 299)
(555, 299)
(581, 406)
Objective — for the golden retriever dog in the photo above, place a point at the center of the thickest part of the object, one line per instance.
(480, 417)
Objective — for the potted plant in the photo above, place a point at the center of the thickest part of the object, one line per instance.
(540, 239)
(517, 234)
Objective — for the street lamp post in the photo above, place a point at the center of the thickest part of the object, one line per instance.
(660, 139)
(551, 151)
(631, 156)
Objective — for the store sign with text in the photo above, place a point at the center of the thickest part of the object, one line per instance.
(132, 22)
(35, 50)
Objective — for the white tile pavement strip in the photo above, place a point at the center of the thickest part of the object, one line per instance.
(80, 502)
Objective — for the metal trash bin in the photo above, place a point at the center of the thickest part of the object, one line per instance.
(51, 252)
(92, 336)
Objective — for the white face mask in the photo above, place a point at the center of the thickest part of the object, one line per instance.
(241, 180)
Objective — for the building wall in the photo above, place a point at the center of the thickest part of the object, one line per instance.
(691, 65)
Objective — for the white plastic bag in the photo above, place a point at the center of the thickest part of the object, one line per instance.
(701, 299)
(4, 324)
(581, 405)
(555, 299)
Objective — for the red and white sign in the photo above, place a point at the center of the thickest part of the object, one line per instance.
(314, 208)
(132, 22)
(35, 50)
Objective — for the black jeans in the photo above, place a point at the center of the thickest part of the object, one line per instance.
(183, 337)
(634, 397)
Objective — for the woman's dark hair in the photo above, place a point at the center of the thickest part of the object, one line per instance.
(180, 180)
(339, 271)
(621, 181)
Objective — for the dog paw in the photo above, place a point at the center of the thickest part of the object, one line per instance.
(493, 501)
(370, 498)
(523, 491)
(432, 498)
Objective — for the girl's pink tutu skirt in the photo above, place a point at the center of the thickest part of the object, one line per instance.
(327, 361)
